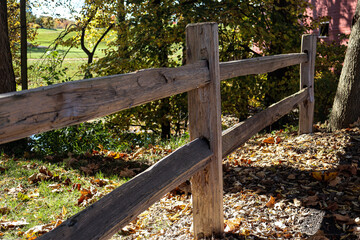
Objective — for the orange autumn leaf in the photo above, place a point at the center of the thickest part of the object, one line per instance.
(232, 224)
(271, 202)
(269, 140)
(85, 195)
(317, 175)
(324, 176)
(329, 176)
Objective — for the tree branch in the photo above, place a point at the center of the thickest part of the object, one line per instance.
(102, 36)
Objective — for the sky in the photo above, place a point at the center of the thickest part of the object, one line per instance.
(56, 8)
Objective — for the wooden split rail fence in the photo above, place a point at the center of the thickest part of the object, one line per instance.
(29, 112)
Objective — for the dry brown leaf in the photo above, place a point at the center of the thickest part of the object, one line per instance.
(348, 168)
(335, 182)
(85, 195)
(319, 235)
(311, 200)
(45, 171)
(86, 170)
(127, 173)
(291, 176)
(4, 210)
(232, 225)
(333, 206)
(99, 182)
(346, 219)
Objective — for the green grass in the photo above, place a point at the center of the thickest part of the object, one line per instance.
(37, 203)
(46, 37)
(73, 71)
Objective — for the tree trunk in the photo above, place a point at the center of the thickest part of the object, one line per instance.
(7, 76)
(346, 107)
(23, 40)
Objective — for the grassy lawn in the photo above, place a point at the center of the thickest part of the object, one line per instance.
(43, 193)
(73, 70)
(38, 192)
(46, 37)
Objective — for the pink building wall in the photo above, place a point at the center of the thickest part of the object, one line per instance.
(340, 12)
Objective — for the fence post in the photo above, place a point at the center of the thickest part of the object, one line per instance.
(205, 121)
(307, 71)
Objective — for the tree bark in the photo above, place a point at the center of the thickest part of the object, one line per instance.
(346, 107)
(7, 76)
(23, 40)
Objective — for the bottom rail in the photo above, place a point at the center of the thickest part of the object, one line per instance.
(237, 135)
(112, 212)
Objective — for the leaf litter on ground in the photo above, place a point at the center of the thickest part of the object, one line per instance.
(276, 186)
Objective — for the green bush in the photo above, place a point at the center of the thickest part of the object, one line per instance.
(75, 139)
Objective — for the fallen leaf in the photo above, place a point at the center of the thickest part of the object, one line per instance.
(4, 210)
(311, 200)
(329, 176)
(45, 171)
(291, 176)
(86, 170)
(317, 175)
(333, 206)
(319, 235)
(127, 173)
(269, 140)
(85, 194)
(346, 219)
(232, 225)
(64, 211)
(271, 202)
(280, 224)
(77, 186)
(54, 186)
(324, 176)
(99, 182)
(335, 182)
(12, 224)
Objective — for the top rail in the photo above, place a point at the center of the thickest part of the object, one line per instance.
(260, 65)
(29, 112)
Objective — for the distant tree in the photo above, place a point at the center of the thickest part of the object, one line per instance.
(47, 22)
(346, 107)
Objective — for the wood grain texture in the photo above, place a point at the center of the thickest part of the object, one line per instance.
(307, 71)
(38, 110)
(205, 121)
(108, 215)
(237, 135)
(259, 65)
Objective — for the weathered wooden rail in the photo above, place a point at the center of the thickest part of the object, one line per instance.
(38, 110)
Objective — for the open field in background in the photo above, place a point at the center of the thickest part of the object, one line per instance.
(73, 61)
(73, 71)
(46, 37)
